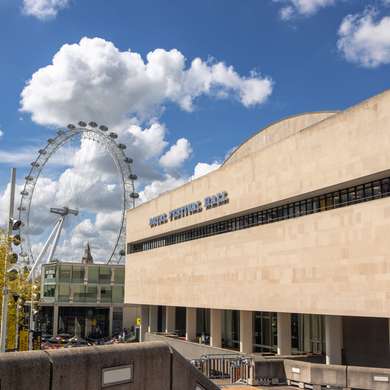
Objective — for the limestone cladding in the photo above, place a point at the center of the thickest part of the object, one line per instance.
(335, 262)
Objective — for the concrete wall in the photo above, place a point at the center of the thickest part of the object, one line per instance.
(289, 266)
(154, 366)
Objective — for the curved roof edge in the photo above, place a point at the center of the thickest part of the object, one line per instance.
(278, 122)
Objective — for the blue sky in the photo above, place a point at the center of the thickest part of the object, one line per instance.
(316, 55)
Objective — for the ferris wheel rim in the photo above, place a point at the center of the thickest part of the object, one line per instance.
(116, 150)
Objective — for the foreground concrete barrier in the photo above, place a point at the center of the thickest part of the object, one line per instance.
(24, 370)
(317, 375)
(269, 372)
(146, 366)
(368, 378)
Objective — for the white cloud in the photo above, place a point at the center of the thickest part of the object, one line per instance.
(93, 80)
(1, 133)
(364, 39)
(176, 155)
(44, 9)
(293, 8)
(202, 169)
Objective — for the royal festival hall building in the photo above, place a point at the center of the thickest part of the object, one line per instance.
(284, 249)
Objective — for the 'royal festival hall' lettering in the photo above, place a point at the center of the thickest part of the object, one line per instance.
(191, 208)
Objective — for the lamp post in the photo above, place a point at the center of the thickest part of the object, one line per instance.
(4, 308)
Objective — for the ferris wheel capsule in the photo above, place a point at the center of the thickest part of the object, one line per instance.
(133, 176)
(50, 141)
(113, 135)
(92, 124)
(122, 146)
(82, 124)
(128, 160)
(35, 164)
(134, 195)
(71, 126)
(42, 151)
(103, 128)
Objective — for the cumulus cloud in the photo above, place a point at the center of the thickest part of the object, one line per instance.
(176, 155)
(95, 80)
(158, 187)
(293, 8)
(364, 39)
(202, 169)
(44, 9)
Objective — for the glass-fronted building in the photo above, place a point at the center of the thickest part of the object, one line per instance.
(84, 300)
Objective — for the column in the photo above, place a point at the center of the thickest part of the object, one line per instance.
(153, 320)
(170, 319)
(144, 322)
(190, 323)
(246, 331)
(215, 328)
(55, 320)
(284, 333)
(110, 320)
(306, 333)
(333, 339)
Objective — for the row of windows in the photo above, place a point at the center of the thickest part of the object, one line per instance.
(80, 274)
(341, 198)
(81, 293)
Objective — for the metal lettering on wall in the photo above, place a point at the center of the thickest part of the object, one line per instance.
(209, 202)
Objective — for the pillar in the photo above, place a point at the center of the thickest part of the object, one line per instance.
(306, 333)
(215, 328)
(284, 333)
(55, 320)
(191, 324)
(144, 322)
(333, 339)
(246, 331)
(170, 319)
(153, 318)
(110, 320)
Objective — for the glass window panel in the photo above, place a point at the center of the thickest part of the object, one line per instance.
(78, 273)
(368, 190)
(65, 273)
(63, 292)
(117, 294)
(336, 199)
(359, 193)
(119, 275)
(91, 294)
(93, 274)
(50, 274)
(329, 202)
(344, 197)
(322, 203)
(303, 207)
(316, 204)
(352, 195)
(49, 291)
(105, 294)
(78, 293)
(385, 186)
(104, 274)
(376, 189)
